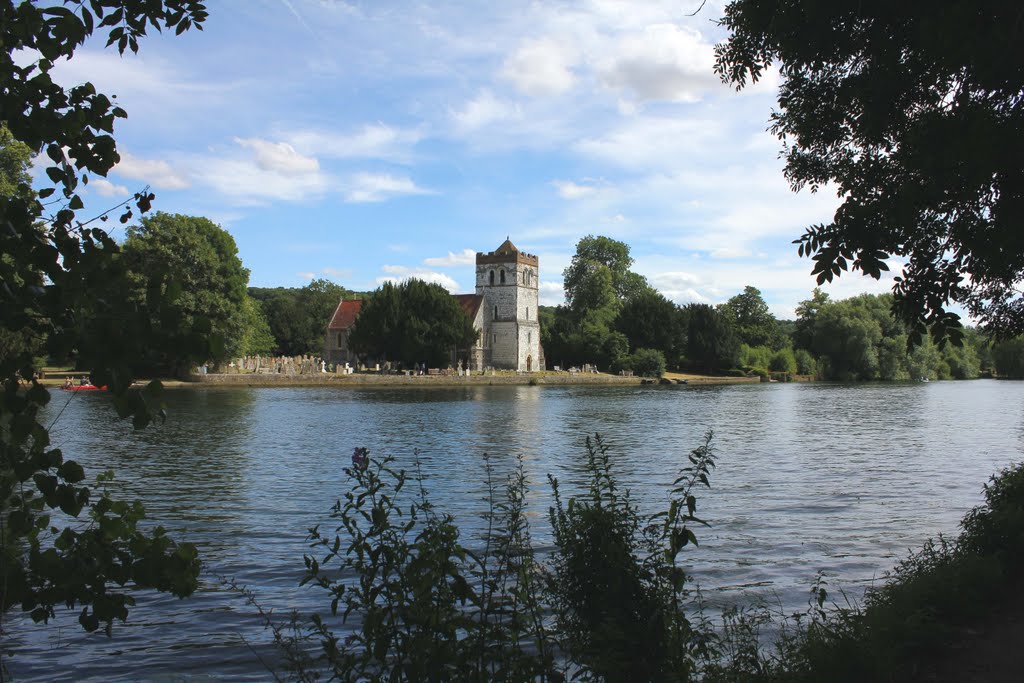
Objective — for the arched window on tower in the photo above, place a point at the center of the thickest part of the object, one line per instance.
(502, 273)
(495, 313)
(492, 278)
(527, 312)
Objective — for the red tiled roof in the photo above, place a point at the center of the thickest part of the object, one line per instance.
(345, 314)
(348, 310)
(470, 303)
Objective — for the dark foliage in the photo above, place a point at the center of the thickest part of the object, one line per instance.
(914, 112)
(65, 543)
(412, 322)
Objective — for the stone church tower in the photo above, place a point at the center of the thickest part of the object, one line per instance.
(507, 280)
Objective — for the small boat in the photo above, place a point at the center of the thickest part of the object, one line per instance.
(84, 387)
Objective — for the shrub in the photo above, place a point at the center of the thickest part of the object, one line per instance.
(616, 588)
(648, 362)
(783, 360)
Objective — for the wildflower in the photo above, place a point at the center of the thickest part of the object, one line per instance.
(360, 457)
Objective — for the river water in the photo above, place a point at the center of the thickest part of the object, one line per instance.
(839, 479)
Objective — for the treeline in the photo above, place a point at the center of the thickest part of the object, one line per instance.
(613, 318)
(185, 282)
(297, 317)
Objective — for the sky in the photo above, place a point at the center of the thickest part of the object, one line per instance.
(370, 141)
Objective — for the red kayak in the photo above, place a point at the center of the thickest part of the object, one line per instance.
(84, 387)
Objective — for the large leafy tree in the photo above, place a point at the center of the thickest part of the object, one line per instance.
(15, 159)
(195, 261)
(711, 341)
(596, 256)
(62, 541)
(650, 321)
(412, 322)
(597, 282)
(914, 111)
(755, 324)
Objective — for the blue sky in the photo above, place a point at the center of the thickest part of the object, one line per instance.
(369, 141)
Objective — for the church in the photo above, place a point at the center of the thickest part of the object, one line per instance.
(504, 310)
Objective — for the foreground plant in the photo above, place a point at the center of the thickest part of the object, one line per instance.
(418, 605)
(64, 542)
(616, 588)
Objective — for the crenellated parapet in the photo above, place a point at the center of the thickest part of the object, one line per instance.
(506, 253)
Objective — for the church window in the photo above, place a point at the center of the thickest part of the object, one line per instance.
(495, 313)
(527, 312)
(524, 277)
(492, 277)
(339, 340)
(502, 274)
(494, 339)
(529, 337)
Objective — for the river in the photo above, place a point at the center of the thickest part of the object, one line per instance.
(832, 478)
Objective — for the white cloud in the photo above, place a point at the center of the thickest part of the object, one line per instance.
(372, 141)
(155, 172)
(279, 157)
(105, 188)
(570, 190)
(663, 62)
(306, 276)
(551, 293)
(245, 181)
(484, 110)
(649, 143)
(466, 257)
(377, 187)
(539, 68)
(400, 273)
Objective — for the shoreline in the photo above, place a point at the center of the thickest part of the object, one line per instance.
(420, 381)
(371, 380)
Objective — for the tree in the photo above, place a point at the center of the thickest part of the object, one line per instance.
(195, 261)
(650, 321)
(298, 317)
(593, 255)
(256, 336)
(1008, 357)
(711, 343)
(806, 313)
(56, 269)
(15, 183)
(412, 322)
(15, 159)
(915, 114)
(755, 325)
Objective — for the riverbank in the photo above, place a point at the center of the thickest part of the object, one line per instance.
(56, 379)
(499, 378)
